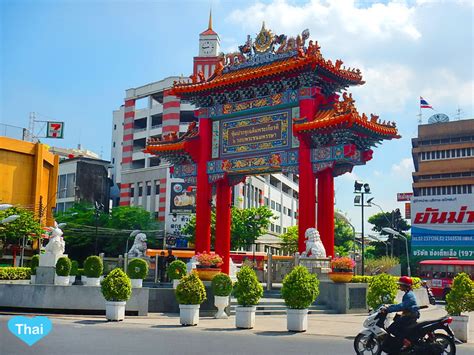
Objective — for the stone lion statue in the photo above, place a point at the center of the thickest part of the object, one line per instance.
(138, 249)
(314, 245)
(56, 245)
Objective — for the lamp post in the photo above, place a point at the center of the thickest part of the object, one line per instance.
(390, 223)
(98, 207)
(397, 234)
(361, 189)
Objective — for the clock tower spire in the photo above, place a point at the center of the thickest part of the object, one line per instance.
(208, 56)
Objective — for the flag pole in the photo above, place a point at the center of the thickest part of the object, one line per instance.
(420, 117)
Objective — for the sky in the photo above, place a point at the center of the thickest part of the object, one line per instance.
(72, 61)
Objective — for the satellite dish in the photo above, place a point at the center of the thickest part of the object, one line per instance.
(438, 118)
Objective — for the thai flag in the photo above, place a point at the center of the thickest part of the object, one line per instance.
(424, 103)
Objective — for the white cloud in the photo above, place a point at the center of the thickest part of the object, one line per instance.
(403, 169)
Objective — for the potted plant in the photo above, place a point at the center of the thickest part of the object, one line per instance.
(190, 293)
(460, 300)
(93, 268)
(74, 271)
(137, 270)
(63, 268)
(33, 265)
(208, 265)
(342, 269)
(116, 289)
(248, 292)
(176, 271)
(222, 288)
(300, 289)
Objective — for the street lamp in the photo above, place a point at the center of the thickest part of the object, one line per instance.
(397, 234)
(98, 208)
(361, 189)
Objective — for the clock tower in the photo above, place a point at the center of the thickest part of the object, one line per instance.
(208, 57)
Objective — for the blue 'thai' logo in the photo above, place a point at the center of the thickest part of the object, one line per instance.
(30, 330)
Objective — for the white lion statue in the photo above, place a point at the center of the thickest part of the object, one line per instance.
(138, 249)
(314, 245)
(56, 245)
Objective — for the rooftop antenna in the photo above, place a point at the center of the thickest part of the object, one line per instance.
(458, 113)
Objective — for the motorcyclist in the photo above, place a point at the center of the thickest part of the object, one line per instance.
(401, 323)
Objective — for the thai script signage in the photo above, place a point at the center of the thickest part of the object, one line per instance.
(404, 196)
(443, 226)
(258, 133)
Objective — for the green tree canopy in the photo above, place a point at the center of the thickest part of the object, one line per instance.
(289, 240)
(25, 225)
(343, 237)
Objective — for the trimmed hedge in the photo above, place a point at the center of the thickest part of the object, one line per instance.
(137, 269)
(176, 270)
(222, 285)
(300, 288)
(247, 289)
(116, 286)
(34, 263)
(190, 290)
(367, 279)
(15, 273)
(93, 266)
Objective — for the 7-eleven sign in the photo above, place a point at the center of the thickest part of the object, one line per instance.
(54, 129)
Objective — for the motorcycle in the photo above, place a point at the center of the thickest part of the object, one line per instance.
(431, 297)
(423, 338)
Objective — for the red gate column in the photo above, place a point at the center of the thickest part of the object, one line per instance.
(307, 182)
(326, 210)
(223, 220)
(203, 195)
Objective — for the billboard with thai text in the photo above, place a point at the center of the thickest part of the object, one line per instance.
(443, 226)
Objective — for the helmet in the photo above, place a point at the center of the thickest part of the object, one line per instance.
(405, 280)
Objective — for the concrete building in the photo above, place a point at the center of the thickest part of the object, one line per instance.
(150, 111)
(443, 155)
(83, 180)
(28, 177)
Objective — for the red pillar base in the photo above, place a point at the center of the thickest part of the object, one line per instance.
(223, 223)
(307, 195)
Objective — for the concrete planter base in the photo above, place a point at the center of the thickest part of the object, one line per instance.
(221, 302)
(33, 279)
(115, 311)
(72, 279)
(136, 283)
(189, 314)
(245, 317)
(297, 320)
(93, 281)
(460, 327)
(61, 280)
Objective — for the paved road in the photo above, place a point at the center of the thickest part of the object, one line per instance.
(96, 336)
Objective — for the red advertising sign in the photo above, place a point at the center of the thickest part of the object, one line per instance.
(407, 210)
(404, 196)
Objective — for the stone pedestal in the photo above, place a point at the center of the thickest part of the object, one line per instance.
(50, 259)
(45, 275)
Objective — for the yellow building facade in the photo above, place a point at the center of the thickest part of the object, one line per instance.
(29, 177)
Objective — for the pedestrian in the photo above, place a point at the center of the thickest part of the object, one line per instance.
(162, 267)
(170, 258)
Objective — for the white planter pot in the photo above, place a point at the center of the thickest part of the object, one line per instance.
(136, 283)
(115, 310)
(33, 279)
(297, 320)
(61, 280)
(175, 283)
(221, 302)
(72, 278)
(460, 327)
(245, 317)
(93, 281)
(189, 314)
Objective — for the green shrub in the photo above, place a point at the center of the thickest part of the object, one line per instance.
(34, 263)
(380, 265)
(361, 279)
(222, 285)
(74, 268)
(137, 269)
(116, 286)
(15, 273)
(367, 279)
(300, 288)
(461, 297)
(176, 270)
(93, 266)
(190, 290)
(382, 289)
(63, 266)
(247, 289)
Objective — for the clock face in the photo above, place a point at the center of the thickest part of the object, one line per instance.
(207, 47)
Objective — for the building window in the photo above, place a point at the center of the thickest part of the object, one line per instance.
(113, 144)
(266, 201)
(115, 127)
(66, 185)
(278, 229)
(113, 160)
(272, 227)
(132, 191)
(284, 210)
(148, 189)
(140, 190)
(289, 212)
(157, 188)
(273, 205)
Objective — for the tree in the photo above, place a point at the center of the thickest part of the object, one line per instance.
(289, 240)
(25, 225)
(247, 225)
(343, 237)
